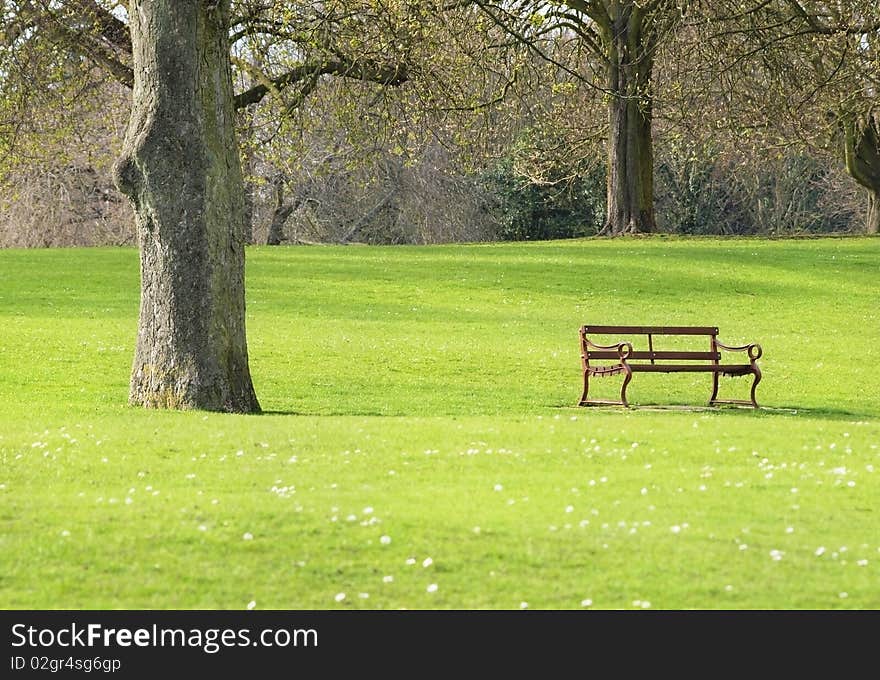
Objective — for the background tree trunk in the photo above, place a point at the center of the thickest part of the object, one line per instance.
(630, 145)
(180, 168)
(280, 213)
(861, 138)
(873, 224)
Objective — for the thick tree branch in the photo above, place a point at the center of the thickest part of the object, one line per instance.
(87, 46)
(371, 71)
(111, 28)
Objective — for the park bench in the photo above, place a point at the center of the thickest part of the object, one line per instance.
(648, 359)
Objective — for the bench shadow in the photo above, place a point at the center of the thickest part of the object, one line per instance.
(823, 413)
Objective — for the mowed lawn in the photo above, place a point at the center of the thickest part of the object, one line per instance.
(421, 447)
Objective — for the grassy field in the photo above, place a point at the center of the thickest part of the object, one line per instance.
(421, 446)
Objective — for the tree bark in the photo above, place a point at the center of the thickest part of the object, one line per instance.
(181, 170)
(862, 154)
(630, 179)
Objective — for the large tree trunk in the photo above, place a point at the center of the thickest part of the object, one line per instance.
(180, 168)
(630, 180)
(862, 153)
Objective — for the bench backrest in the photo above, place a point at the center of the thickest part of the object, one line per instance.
(629, 334)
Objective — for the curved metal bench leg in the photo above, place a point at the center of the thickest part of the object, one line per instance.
(714, 388)
(757, 374)
(586, 389)
(626, 380)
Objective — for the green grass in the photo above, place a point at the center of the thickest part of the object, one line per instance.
(427, 394)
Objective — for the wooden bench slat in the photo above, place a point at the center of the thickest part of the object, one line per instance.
(690, 368)
(656, 354)
(653, 330)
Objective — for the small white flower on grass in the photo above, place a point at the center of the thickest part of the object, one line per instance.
(364, 596)
(251, 604)
(820, 551)
(385, 540)
(569, 508)
(432, 588)
(214, 501)
(248, 536)
(202, 527)
(523, 605)
(776, 555)
(368, 510)
(728, 588)
(410, 560)
(850, 484)
(743, 546)
(862, 563)
(498, 487)
(644, 491)
(586, 603)
(427, 562)
(65, 533)
(642, 604)
(476, 530)
(675, 529)
(794, 490)
(339, 597)
(843, 595)
(388, 579)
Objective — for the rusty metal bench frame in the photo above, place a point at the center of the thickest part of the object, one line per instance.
(628, 360)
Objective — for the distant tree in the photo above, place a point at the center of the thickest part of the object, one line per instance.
(808, 71)
(618, 41)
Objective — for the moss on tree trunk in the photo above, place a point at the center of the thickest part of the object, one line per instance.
(181, 170)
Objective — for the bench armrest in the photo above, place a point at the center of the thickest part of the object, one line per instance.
(624, 349)
(754, 349)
